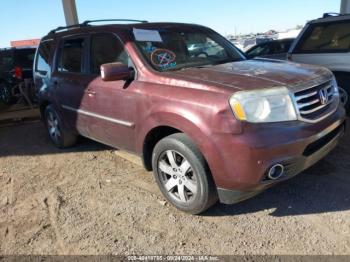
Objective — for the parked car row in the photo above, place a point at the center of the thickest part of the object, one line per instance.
(211, 124)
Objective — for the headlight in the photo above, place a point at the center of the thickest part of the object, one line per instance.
(269, 105)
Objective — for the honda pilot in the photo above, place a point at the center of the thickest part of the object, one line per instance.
(210, 124)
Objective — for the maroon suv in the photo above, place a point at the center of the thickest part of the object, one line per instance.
(209, 123)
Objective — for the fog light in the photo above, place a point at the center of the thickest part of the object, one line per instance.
(276, 172)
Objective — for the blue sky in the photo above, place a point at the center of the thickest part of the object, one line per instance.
(23, 19)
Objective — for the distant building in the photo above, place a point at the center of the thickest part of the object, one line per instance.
(28, 42)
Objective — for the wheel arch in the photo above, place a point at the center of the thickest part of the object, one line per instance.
(42, 106)
(165, 124)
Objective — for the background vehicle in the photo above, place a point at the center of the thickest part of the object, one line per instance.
(209, 124)
(276, 49)
(326, 42)
(16, 65)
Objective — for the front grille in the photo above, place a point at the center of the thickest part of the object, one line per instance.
(316, 101)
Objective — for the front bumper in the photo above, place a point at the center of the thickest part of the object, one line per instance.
(296, 147)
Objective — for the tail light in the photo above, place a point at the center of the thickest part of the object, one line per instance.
(18, 73)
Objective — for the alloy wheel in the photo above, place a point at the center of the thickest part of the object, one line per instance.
(53, 127)
(4, 95)
(177, 177)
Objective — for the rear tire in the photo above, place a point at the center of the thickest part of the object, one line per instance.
(183, 175)
(59, 135)
(5, 95)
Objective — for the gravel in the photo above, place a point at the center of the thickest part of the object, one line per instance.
(86, 200)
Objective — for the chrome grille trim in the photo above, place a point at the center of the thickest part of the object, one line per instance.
(314, 109)
(306, 96)
(301, 105)
(311, 104)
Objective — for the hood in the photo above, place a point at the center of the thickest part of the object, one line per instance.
(252, 74)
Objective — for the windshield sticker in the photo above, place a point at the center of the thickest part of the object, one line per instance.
(143, 35)
(168, 66)
(163, 58)
(149, 48)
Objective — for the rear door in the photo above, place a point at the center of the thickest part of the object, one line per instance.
(70, 82)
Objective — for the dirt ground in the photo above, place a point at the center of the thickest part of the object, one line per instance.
(87, 200)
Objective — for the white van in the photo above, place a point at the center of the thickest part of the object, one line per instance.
(326, 41)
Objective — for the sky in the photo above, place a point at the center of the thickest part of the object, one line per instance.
(27, 19)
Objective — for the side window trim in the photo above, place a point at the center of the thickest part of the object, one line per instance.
(58, 57)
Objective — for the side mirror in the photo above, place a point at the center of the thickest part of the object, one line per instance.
(115, 71)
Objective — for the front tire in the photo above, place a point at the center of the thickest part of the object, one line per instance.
(183, 175)
(344, 91)
(59, 135)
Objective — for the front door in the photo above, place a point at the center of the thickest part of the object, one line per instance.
(112, 105)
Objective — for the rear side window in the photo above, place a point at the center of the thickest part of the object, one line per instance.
(71, 59)
(42, 64)
(330, 37)
(106, 48)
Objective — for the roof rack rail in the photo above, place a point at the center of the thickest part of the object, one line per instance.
(61, 28)
(325, 15)
(87, 22)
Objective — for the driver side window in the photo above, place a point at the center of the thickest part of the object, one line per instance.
(106, 48)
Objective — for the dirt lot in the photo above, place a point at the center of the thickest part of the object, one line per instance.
(87, 200)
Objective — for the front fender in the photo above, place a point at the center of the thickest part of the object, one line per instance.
(200, 130)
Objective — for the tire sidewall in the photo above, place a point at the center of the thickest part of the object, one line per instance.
(4, 89)
(50, 109)
(202, 197)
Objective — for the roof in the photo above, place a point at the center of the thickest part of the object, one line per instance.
(329, 17)
(87, 27)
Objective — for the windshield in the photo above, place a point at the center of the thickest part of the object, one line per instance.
(177, 48)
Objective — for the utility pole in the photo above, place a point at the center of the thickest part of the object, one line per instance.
(345, 7)
(70, 12)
